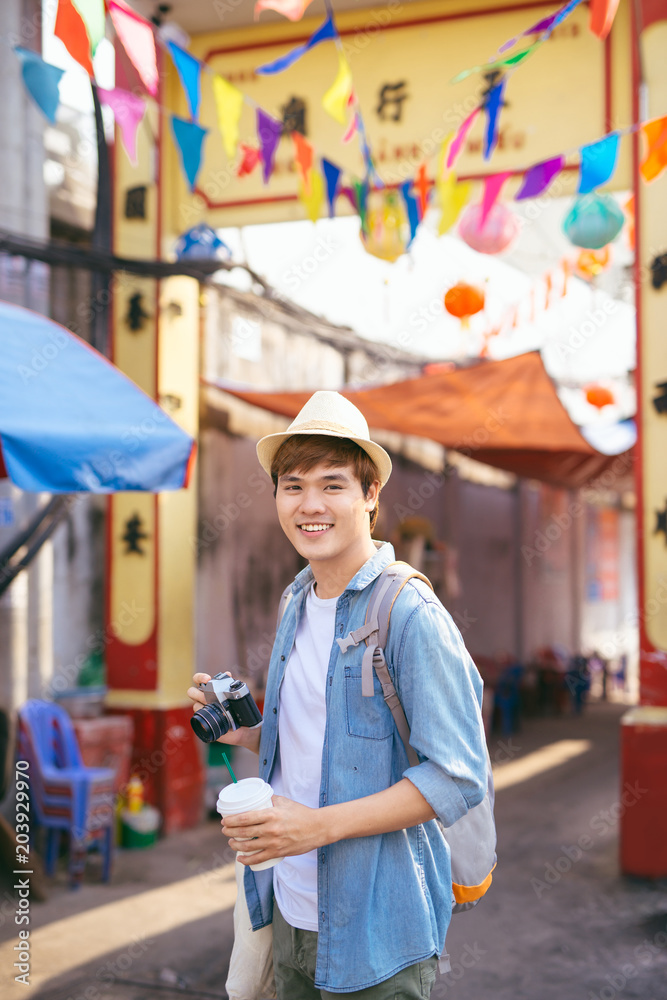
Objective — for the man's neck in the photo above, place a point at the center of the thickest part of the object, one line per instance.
(331, 579)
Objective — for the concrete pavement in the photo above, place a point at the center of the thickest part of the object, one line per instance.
(559, 922)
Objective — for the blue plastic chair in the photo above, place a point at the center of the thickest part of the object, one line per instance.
(64, 793)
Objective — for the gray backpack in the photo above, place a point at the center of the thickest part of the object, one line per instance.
(472, 839)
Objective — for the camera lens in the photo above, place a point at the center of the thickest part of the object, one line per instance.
(209, 723)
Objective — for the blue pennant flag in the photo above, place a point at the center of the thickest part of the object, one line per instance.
(412, 207)
(494, 102)
(332, 177)
(326, 32)
(41, 80)
(189, 138)
(189, 71)
(598, 162)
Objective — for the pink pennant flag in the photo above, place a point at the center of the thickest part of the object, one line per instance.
(293, 9)
(492, 188)
(138, 40)
(459, 138)
(352, 130)
(128, 110)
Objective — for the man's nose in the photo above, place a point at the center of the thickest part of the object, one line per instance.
(312, 500)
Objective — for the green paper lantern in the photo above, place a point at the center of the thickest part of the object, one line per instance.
(593, 221)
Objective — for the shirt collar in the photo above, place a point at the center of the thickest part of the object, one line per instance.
(371, 569)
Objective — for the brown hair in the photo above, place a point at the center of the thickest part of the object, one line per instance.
(305, 451)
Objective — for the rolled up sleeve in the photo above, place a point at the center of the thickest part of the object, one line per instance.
(441, 693)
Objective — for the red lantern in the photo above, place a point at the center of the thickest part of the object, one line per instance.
(599, 396)
(463, 301)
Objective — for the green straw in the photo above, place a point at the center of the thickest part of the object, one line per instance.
(229, 766)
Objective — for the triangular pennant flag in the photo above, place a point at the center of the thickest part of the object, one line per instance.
(303, 157)
(492, 106)
(361, 189)
(453, 197)
(326, 32)
(269, 132)
(189, 72)
(41, 80)
(189, 139)
(422, 186)
(71, 31)
(538, 178)
(544, 24)
(128, 110)
(371, 172)
(337, 97)
(514, 60)
(229, 103)
(93, 14)
(353, 128)
(655, 158)
(138, 40)
(251, 157)
(412, 209)
(459, 138)
(598, 162)
(332, 175)
(602, 17)
(293, 9)
(492, 188)
(311, 193)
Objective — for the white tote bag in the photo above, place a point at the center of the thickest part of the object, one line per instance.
(251, 965)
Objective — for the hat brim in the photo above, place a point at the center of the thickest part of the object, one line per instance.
(269, 445)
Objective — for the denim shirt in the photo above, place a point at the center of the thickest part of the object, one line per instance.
(384, 901)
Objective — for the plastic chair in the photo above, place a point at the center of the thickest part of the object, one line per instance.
(64, 793)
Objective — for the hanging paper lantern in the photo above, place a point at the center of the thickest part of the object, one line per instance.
(590, 263)
(599, 396)
(500, 228)
(201, 243)
(593, 221)
(463, 301)
(386, 233)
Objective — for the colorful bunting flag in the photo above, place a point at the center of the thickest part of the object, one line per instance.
(337, 98)
(655, 158)
(492, 188)
(326, 32)
(507, 61)
(41, 80)
(189, 139)
(93, 15)
(412, 209)
(189, 72)
(332, 175)
(229, 104)
(128, 110)
(303, 156)
(453, 196)
(352, 129)
(293, 9)
(311, 193)
(538, 178)
(269, 132)
(598, 162)
(251, 157)
(602, 16)
(361, 189)
(459, 138)
(71, 30)
(138, 40)
(423, 188)
(544, 24)
(492, 106)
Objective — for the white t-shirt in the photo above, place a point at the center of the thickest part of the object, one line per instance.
(298, 773)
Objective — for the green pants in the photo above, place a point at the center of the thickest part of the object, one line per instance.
(294, 957)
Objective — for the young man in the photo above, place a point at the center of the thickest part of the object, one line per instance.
(362, 901)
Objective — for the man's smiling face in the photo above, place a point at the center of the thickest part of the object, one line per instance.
(325, 514)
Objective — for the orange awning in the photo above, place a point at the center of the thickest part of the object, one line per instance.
(504, 413)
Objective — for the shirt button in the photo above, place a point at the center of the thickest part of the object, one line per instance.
(340, 629)
(275, 711)
(282, 658)
(264, 761)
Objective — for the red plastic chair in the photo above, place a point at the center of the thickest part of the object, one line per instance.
(65, 795)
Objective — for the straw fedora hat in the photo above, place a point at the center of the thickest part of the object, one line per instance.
(333, 415)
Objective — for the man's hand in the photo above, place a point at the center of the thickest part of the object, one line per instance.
(287, 829)
(242, 737)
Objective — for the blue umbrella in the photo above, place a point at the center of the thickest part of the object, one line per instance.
(72, 422)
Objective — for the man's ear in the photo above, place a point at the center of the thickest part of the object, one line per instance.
(373, 494)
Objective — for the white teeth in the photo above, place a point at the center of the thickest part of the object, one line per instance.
(314, 527)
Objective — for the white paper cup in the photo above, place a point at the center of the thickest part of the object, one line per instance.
(242, 796)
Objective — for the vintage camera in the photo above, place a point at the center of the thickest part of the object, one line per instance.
(229, 705)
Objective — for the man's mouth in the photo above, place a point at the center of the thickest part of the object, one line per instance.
(314, 528)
